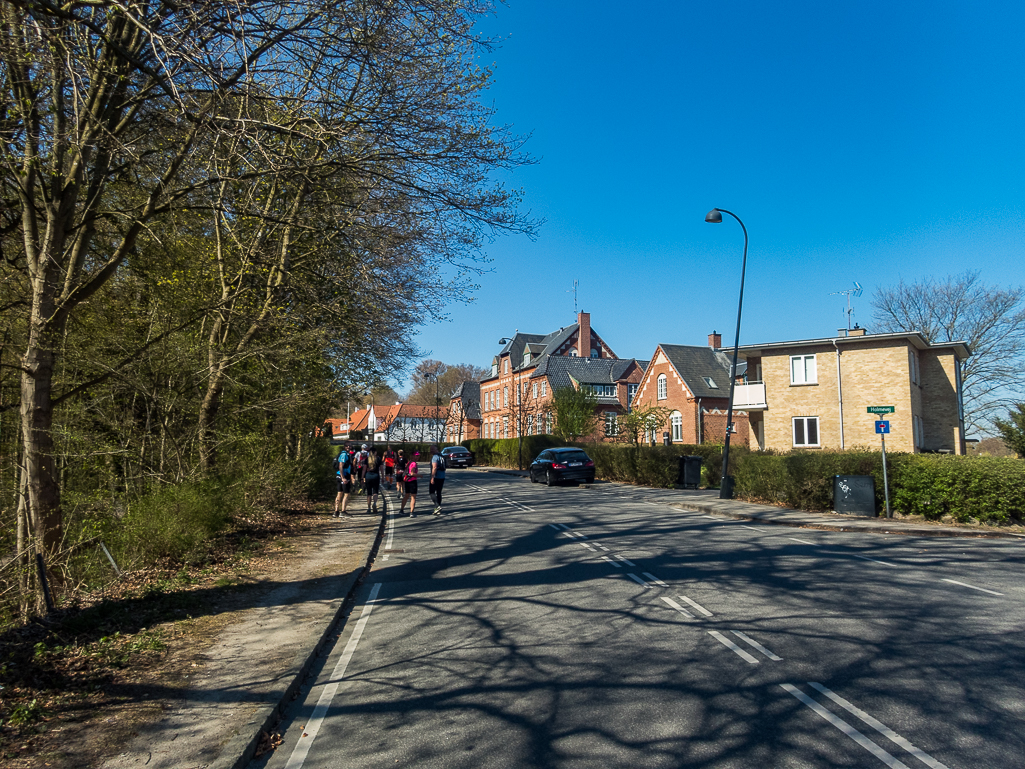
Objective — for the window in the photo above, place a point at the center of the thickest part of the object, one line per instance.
(548, 423)
(530, 424)
(544, 387)
(806, 431)
(602, 390)
(526, 358)
(506, 365)
(663, 387)
(802, 370)
(494, 369)
(517, 388)
(913, 366)
(676, 420)
(611, 427)
(710, 382)
(505, 397)
(534, 391)
(594, 353)
(505, 427)
(631, 391)
(573, 353)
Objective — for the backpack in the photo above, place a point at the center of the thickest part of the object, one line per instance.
(442, 466)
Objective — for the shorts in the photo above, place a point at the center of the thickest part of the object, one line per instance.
(373, 484)
(344, 485)
(410, 487)
(389, 471)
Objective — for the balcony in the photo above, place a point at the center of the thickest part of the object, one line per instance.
(749, 397)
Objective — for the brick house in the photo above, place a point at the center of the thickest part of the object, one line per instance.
(815, 393)
(406, 422)
(516, 398)
(464, 422)
(693, 382)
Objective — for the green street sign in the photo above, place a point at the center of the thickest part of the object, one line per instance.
(881, 409)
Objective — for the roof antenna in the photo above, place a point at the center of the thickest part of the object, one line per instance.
(574, 292)
(856, 291)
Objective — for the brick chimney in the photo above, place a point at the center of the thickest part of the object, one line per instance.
(856, 331)
(584, 335)
(715, 340)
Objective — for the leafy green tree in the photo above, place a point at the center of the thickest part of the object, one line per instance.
(641, 421)
(1012, 430)
(576, 412)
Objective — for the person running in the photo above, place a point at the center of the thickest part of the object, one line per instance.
(409, 486)
(437, 477)
(400, 470)
(361, 469)
(343, 474)
(373, 479)
(389, 468)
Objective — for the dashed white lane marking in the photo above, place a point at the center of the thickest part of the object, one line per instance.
(564, 527)
(732, 646)
(973, 587)
(846, 728)
(603, 548)
(696, 605)
(749, 527)
(802, 541)
(627, 561)
(677, 606)
(873, 560)
(638, 580)
(309, 732)
(884, 730)
(617, 565)
(755, 645)
(584, 544)
(654, 579)
(555, 527)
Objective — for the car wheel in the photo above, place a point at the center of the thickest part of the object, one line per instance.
(549, 478)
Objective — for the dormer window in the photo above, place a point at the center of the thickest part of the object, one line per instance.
(573, 353)
(594, 354)
(526, 358)
(506, 365)
(494, 369)
(710, 382)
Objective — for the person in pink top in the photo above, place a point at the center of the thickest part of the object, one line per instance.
(409, 486)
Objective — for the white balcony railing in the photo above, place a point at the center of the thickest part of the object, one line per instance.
(750, 396)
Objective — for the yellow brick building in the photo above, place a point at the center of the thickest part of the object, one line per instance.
(815, 393)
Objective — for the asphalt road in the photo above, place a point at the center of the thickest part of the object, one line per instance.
(577, 627)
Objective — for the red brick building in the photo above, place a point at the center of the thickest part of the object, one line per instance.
(516, 398)
(694, 384)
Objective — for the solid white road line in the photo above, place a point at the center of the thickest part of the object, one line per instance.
(711, 517)
(617, 565)
(677, 606)
(755, 645)
(696, 605)
(749, 527)
(973, 587)
(638, 580)
(732, 646)
(886, 731)
(627, 561)
(846, 728)
(802, 541)
(654, 579)
(309, 733)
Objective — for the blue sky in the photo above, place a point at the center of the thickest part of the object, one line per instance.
(860, 142)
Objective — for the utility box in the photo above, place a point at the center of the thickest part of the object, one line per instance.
(854, 495)
(665, 439)
(689, 475)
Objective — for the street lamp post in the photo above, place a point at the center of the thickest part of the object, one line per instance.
(726, 484)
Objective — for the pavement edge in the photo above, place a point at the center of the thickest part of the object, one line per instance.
(240, 749)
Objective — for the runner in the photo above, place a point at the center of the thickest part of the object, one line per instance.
(389, 468)
(400, 471)
(437, 477)
(409, 486)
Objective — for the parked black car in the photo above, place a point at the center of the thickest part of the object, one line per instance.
(556, 465)
(457, 456)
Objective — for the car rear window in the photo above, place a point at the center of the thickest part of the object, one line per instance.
(572, 456)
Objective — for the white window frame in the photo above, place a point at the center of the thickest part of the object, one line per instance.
(506, 365)
(505, 397)
(805, 422)
(631, 391)
(534, 390)
(663, 387)
(611, 424)
(676, 421)
(505, 427)
(544, 388)
(799, 376)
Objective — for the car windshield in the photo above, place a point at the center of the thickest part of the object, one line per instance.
(571, 456)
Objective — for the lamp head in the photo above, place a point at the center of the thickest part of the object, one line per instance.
(713, 216)
(504, 340)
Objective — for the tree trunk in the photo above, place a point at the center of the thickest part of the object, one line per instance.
(43, 490)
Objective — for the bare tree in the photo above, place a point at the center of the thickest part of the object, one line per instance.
(991, 319)
(266, 118)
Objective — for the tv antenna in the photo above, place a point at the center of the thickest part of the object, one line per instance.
(574, 292)
(856, 291)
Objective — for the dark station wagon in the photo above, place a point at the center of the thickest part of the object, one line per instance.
(556, 465)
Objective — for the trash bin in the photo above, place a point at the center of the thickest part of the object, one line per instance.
(854, 495)
(689, 476)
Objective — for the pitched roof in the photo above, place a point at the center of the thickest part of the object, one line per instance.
(694, 363)
(469, 395)
(358, 419)
(563, 371)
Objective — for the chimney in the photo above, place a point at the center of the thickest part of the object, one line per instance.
(584, 335)
(715, 340)
(841, 332)
(856, 331)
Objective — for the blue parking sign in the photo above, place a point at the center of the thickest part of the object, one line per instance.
(882, 427)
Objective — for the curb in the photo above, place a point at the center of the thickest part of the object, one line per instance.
(918, 531)
(240, 749)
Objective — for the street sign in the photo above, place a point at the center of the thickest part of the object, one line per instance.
(882, 427)
(881, 409)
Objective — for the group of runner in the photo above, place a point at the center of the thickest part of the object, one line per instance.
(360, 472)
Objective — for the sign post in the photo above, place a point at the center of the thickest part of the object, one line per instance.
(882, 429)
